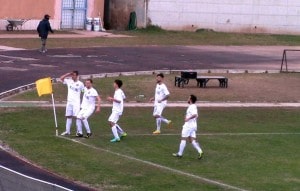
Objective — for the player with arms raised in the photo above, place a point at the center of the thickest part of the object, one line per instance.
(75, 88)
(189, 129)
(160, 102)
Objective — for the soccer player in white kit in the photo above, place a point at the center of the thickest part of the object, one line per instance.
(160, 102)
(189, 129)
(75, 88)
(87, 108)
(117, 110)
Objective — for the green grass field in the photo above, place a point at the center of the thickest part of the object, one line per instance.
(249, 148)
(154, 36)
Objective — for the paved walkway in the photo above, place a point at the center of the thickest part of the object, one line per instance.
(74, 34)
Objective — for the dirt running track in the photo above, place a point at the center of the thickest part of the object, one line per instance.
(25, 66)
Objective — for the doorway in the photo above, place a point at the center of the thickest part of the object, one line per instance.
(73, 14)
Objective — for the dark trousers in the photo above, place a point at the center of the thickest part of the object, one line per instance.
(43, 48)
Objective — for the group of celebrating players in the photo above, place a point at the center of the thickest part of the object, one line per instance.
(91, 100)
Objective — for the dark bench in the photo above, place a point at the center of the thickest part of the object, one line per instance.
(202, 81)
(185, 77)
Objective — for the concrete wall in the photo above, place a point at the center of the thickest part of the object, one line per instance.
(34, 10)
(95, 8)
(263, 16)
(31, 10)
(119, 12)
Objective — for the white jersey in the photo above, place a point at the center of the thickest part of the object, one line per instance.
(120, 96)
(161, 91)
(191, 110)
(74, 90)
(89, 98)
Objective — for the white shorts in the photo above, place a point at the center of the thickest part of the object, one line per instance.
(85, 113)
(72, 109)
(188, 132)
(158, 109)
(114, 117)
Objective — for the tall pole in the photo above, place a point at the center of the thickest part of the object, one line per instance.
(54, 112)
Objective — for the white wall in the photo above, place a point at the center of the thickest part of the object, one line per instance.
(267, 16)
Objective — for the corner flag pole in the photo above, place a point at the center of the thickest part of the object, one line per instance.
(54, 112)
(44, 87)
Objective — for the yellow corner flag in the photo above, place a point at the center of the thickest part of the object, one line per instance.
(44, 86)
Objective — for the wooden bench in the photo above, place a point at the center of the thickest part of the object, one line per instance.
(202, 81)
(184, 78)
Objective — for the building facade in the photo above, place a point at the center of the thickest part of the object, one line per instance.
(249, 16)
(65, 14)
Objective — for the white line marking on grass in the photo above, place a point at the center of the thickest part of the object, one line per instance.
(206, 134)
(217, 134)
(205, 180)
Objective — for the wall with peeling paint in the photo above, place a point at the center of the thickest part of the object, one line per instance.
(119, 11)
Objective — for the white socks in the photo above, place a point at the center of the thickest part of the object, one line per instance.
(119, 129)
(164, 119)
(197, 146)
(79, 126)
(86, 125)
(115, 132)
(183, 144)
(181, 147)
(158, 124)
(68, 125)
